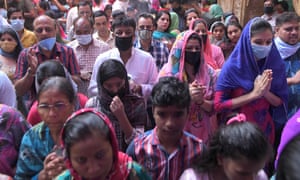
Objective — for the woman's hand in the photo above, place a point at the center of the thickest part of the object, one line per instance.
(262, 83)
(53, 166)
(197, 92)
(117, 107)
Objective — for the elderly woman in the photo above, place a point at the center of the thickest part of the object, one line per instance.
(37, 157)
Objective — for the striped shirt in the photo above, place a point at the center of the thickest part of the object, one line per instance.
(86, 59)
(158, 50)
(148, 152)
(65, 54)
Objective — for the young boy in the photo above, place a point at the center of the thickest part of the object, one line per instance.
(167, 150)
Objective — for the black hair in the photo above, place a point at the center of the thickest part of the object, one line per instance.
(123, 21)
(236, 140)
(81, 127)
(163, 3)
(61, 84)
(48, 69)
(187, 12)
(100, 13)
(51, 14)
(85, 3)
(44, 5)
(171, 91)
(107, 7)
(12, 10)
(287, 17)
(117, 13)
(146, 16)
(259, 25)
(218, 24)
(289, 161)
(159, 14)
(13, 33)
(283, 4)
(111, 68)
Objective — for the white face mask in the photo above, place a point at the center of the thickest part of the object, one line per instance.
(261, 51)
(17, 24)
(84, 39)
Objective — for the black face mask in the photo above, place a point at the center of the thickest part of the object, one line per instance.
(268, 10)
(123, 43)
(121, 93)
(204, 38)
(192, 58)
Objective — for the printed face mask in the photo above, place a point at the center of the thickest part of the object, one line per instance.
(145, 34)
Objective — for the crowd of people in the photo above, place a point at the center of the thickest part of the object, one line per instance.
(133, 89)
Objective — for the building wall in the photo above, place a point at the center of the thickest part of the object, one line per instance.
(243, 9)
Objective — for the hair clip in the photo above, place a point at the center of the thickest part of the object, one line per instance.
(240, 117)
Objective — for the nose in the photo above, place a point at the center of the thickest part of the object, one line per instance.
(93, 167)
(52, 111)
(114, 89)
(169, 122)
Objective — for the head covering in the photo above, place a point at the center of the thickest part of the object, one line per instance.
(119, 169)
(18, 48)
(216, 10)
(291, 130)
(111, 70)
(241, 68)
(175, 65)
(207, 46)
(134, 105)
(174, 21)
(12, 128)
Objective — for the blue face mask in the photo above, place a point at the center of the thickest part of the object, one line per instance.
(47, 44)
(260, 51)
(17, 24)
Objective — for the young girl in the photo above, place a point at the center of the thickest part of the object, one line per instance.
(237, 151)
(92, 150)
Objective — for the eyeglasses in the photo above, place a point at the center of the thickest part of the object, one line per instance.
(47, 29)
(45, 108)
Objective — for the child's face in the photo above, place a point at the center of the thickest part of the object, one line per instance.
(243, 168)
(92, 158)
(218, 32)
(170, 121)
(233, 33)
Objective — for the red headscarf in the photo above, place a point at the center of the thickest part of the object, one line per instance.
(119, 169)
